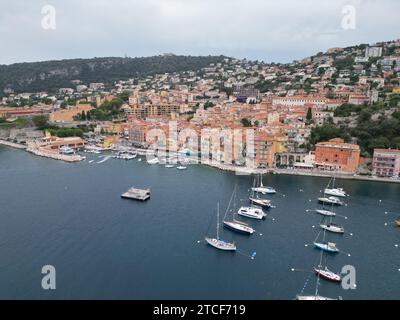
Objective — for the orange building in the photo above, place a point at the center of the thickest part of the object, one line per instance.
(264, 149)
(337, 155)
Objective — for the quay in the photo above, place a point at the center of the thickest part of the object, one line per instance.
(12, 144)
(137, 194)
(55, 156)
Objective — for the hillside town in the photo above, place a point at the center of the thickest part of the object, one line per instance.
(284, 105)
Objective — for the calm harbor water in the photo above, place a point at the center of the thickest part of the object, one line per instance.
(103, 247)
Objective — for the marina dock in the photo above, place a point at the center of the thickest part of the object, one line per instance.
(137, 194)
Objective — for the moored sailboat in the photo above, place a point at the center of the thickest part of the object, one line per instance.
(327, 246)
(234, 224)
(263, 189)
(331, 200)
(326, 212)
(336, 192)
(326, 274)
(220, 244)
(332, 227)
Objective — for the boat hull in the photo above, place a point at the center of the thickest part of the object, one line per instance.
(332, 229)
(304, 298)
(247, 212)
(234, 227)
(336, 193)
(260, 202)
(326, 213)
(264, 190)
(326, 248)
(329, 201)
(330, 276)
(221, 245)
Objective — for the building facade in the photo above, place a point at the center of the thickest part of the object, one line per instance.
(336, 155)
(386, 163)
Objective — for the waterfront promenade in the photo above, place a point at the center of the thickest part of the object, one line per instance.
(239, 170)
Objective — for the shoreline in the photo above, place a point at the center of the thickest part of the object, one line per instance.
(42, 153)
(220, 166)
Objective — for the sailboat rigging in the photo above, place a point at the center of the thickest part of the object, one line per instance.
(235, 225)
(220, 244)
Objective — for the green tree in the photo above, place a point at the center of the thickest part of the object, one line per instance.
(245, 122)
(309, 115)
(40, 121)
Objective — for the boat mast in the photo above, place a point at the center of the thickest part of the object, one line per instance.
(218, 221)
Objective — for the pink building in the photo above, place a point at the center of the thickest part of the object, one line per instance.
(386, 163)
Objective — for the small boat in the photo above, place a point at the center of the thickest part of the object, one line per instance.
(254, 199)
(260, 202)
(181, 168)
(327, 274)
(336, 192)
(239, 227)
(220, 244)
(66, 150)
(331, 200)
(398, 221)
(263, 189)
(234, 224)
(169, 166)
(252, 212)
(153, 161)
(125, 156)
(327, 246)
(332, 228)
(314, 297)
(325, 212)
(139, 160)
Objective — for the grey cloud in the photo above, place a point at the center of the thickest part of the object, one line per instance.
(270, 30)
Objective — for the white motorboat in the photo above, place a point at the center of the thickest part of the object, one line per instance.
(153, 161)
(66, 150)
(332, 228)
(336, 192)
(181, 168)
(331, 200)
(169, 166)
(252, 212)
(326, 212)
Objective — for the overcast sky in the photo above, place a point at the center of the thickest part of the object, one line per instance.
(269, 30)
